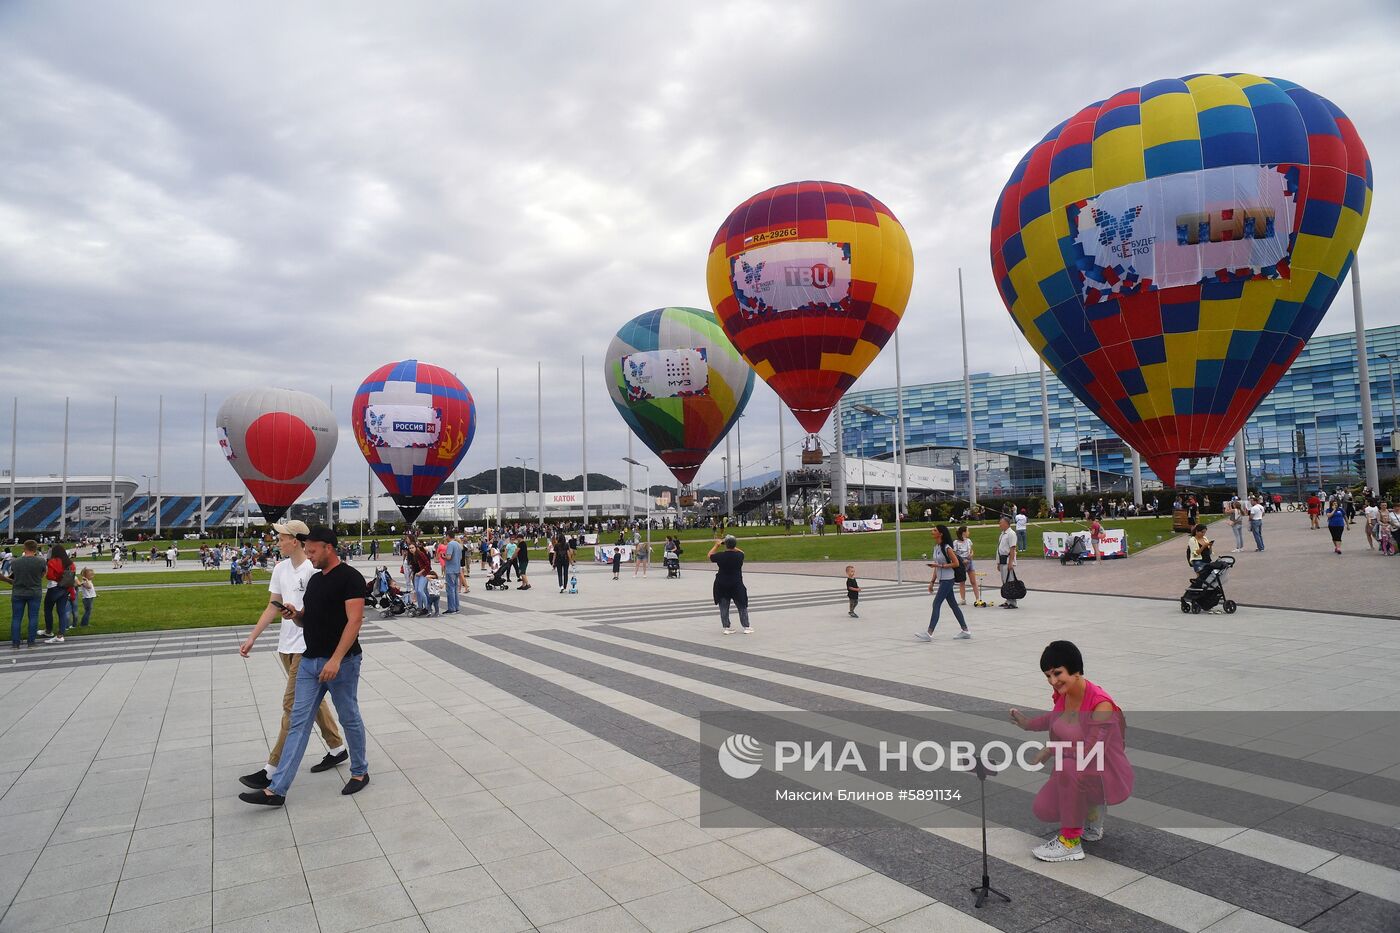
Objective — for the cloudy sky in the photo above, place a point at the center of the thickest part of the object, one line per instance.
(195, 198)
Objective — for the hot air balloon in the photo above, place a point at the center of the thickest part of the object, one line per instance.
(1169, 250)
(413, 422)
(678, 383)
(277, 441)
(809, 280)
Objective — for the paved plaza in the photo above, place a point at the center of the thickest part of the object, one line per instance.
(535, 760)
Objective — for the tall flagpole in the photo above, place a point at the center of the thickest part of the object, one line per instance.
(583, 429)
(629, 478)
(160, 449)
(728, 487)
(63, 495)
(902, 449)
(539, 436)
(967, 403)
(523, 510)
(782, 461)
(114, 513)
(203, 457)
(369, 497)
(1363, 379)
(1045, 439)
(1241, 468)
(14, 437)
(330, 476)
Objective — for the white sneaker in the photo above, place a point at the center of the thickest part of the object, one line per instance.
(748, 630)
(56, 640)
(1093, 832)
(963, 634)
(727, 631)
(1058, 850)
(923, 636)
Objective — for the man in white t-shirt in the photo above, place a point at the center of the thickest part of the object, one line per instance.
(288, 587)
(1256, 522)
(1006, 556)
(1021, 522)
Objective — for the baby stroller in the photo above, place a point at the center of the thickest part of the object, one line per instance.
(1075, 550)
(385, 596)
(1208, 589)
(672, 560)
(498, 578)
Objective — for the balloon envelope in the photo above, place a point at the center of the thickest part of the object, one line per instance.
(678, 383)
(277, 441)
(809, 280)
(413, 422)
(1168, 251)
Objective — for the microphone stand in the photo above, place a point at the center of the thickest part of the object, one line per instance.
(985, 888)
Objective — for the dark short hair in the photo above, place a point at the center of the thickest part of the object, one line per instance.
(31, 545)
(324, 535)
(1062, 654)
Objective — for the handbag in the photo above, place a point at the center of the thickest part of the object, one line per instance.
(959, 568)
(1012, 588)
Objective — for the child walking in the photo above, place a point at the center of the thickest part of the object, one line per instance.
(434, 593)
(852, 591)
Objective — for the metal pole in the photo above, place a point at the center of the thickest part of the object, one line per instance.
(498, 454)
(630, 487)
(14, 440)
(967, 403)
(369, 496)
(115, 513)
(1363, 380)
(203, 457)
(728, 488)
(583, 429)
(63, 494)
(898, 531)
(901, 447)
(539, 429)
(330, 477)
(1078, 447)
(1317, 453)
(1045, 431)
(782, 462)
(1241, 467)
(739, 446)
(1137, 479)
(838, 472)
(160, 449)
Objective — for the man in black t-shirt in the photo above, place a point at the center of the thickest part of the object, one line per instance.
(729, 582)
(333, 609)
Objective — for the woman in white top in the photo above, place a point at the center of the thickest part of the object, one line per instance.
(1234, 513)
(962, 546)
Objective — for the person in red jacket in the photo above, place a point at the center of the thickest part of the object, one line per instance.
(61, 593)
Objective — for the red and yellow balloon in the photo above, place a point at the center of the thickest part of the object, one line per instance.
(809, 281)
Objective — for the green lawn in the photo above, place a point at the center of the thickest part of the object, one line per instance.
(119, 578)
(176, 608)
(848, 548)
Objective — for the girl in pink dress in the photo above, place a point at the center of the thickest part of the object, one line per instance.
(1085, 716)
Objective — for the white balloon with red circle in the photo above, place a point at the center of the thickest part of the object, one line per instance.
(277, 441)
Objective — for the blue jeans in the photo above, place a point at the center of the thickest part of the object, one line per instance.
(344, 691)
(1256, 528)
(420, 593)
(945, 592)
(87, 610)
(1020, 540)
(18, 604)
(57, 596)
(453, 582)
(1238, 529)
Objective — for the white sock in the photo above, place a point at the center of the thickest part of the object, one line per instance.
(337, 750)
(269, 768)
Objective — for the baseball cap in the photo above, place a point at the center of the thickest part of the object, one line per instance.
(324, 535)
(292, 527)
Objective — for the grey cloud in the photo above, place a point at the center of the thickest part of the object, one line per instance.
(200, 198)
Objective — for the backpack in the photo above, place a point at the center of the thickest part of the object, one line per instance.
(68, 579)
(959, 571)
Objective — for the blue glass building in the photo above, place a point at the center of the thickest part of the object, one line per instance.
(1308, 426)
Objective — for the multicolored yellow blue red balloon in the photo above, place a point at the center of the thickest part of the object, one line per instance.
(809, 280)
(678, 383)
(1168, 251)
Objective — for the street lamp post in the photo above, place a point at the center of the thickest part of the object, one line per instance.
(523, 471)
(1394, 424)
(638, 463)
(728, 491)
(898, 537)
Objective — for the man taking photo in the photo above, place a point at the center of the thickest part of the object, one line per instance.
(332, 611)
